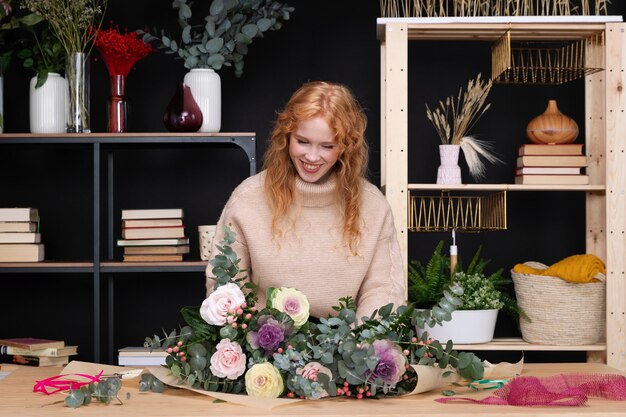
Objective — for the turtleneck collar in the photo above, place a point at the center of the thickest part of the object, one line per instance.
(317, 195)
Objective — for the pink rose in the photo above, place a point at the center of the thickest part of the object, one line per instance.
(225, 299)
(310, 372)
(228, 361)
(311, 369)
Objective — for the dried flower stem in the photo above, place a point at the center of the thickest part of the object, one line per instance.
(454, 118)
(73, 21)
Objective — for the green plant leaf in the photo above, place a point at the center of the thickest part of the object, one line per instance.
(217, 6)
(264, 24)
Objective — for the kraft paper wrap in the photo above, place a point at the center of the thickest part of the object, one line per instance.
(428, 378)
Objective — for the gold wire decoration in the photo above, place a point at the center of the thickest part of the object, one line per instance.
(464, 213)
(537, 63)
(473, 8)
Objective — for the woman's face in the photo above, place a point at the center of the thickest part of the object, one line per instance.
(313, 150)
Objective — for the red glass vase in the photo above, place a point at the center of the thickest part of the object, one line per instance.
(118, 105)
(182, 113)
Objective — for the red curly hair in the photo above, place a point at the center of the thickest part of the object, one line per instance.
(340, 109)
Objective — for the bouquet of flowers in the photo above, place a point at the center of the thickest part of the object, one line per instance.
(230, 344)
(120, 51)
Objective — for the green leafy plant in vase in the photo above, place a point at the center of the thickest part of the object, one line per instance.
(478, 291)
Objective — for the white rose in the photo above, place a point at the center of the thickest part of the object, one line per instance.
(293, 303)
(225, 299)
(264, 380)
(228, 361)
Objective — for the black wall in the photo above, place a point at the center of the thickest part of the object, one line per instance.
(324, 40)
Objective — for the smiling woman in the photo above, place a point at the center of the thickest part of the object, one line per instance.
(313, 150)
(311, 220)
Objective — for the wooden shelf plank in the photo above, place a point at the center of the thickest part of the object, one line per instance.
(517, 344)
(46, 266)
(505, 187)
(491, 28)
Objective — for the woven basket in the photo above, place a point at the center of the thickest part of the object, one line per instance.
(561, 312)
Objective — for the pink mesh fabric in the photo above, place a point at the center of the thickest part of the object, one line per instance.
(558, 390)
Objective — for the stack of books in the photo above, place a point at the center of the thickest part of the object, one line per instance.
(558, 164)
(141, 356)
(35, 352)
(155, 235)
(20, 240)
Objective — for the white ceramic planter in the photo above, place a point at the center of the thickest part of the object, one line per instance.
(206, 88)
(48, 105)
(449, 172)
(466, 326)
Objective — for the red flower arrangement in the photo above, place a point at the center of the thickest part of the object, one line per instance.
(120, 51)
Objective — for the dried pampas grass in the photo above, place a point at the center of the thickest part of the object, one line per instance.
(455, 116)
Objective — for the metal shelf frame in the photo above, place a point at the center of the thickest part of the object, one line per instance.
(96, 266)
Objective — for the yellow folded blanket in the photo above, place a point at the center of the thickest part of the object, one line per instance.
(575, 268)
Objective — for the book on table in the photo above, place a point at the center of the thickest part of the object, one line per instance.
(549, 170)
(35, 360)
(19, 214)
(18, 226)
(21, 252)
(153, 242)
(176, 213)
(31, 343)
(140, 356)
(161, 232)
(20, 237)
(550, 149)
(156, 250)
(151, 223)
(551, 161)
(51, 351)
(552, 179)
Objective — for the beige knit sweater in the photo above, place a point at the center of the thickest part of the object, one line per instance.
(312, 257)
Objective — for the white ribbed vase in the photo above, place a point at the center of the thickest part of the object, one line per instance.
(449, 171)
(206, 89)
(48, 105)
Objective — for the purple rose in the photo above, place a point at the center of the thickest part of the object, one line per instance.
(269, 336)
(391, 362)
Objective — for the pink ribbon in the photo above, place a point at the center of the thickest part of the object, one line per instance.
(56, 383)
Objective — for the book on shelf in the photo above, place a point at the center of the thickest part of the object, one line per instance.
(19, 214)
(160, 232)
(550, 149)
(552, 179)
(176, 213)
(151, 223)
(31, 343)
(23, 237)
(552, 161)
(35, 360)
(153, 242)
(549, 170)
(18, 227)
(140, 356)
(156, 250)
(52, 352)
(21, 252)
(153, 258)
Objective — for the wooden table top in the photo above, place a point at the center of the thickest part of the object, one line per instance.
(18, 399)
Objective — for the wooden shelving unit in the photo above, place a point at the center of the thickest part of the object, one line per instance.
(605, 135)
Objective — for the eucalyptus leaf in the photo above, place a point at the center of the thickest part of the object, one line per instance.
(214, 45)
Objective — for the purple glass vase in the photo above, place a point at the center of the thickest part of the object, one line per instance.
(182, 114)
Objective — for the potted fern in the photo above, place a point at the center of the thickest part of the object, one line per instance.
(482, 296)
